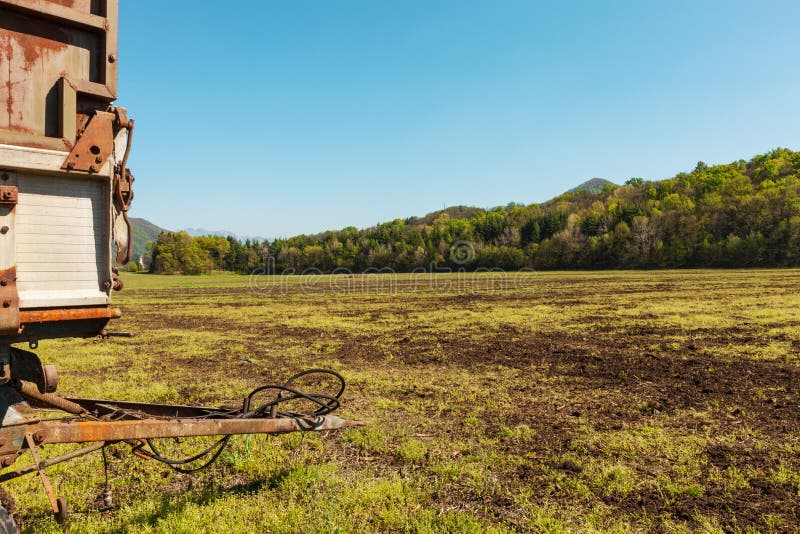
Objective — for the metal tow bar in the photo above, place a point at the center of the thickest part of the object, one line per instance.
(104, 422)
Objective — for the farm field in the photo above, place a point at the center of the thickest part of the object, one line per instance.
(557, 402)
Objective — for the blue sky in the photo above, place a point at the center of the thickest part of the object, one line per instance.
(278, 118)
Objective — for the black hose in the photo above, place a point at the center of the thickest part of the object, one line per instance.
(326, 404)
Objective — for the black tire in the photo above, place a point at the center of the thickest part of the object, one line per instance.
(7, 523)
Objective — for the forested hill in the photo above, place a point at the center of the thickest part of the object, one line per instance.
(743, 214)
(143, 232)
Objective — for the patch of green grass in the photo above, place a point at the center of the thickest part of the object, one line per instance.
(572, 402)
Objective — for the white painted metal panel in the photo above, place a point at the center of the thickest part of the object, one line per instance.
(62, 240)
(27, 159)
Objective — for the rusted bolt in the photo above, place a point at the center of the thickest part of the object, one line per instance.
(38, 437)
(6, 303)
(3, 282)
(70, 166)
(107, 284)
(92, 168)
(112, 58)
(8, 460)
(4, 230)
(4, 176)
(98, 159)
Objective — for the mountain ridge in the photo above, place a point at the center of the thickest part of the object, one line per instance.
(742, 214)
(143, 232)
(593, 185)
(151, 231)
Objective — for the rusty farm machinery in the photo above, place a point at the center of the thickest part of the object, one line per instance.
(65, 190)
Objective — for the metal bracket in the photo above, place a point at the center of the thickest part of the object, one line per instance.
(123, 188)
(9, 195)
(94, 146)
(9, 301)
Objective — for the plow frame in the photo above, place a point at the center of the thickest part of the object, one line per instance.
(104, 422)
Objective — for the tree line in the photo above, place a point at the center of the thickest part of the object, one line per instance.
(743, 214)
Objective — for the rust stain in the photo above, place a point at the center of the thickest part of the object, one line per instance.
(38, 51)
(9, 84)
(33, 47)
(19, 129)
(33, 39)
(34, 35)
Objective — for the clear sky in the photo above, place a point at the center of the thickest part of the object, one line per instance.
(274, 118)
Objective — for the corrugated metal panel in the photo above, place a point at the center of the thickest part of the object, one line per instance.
(62, 232)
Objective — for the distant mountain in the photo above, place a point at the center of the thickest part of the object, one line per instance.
(593, 186)
(143, 231)
(741, 214)
(200, 232)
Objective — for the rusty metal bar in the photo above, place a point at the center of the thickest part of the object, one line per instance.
(89, 431)
(30, 390)
(9, 297)
(93, 88)
(67, 314)
(48, 488)
(51, 461)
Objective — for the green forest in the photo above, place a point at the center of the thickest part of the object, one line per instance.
(743, 214)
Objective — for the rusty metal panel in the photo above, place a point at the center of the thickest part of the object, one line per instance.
(46, 45)
(9, 301)
(9, 297)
